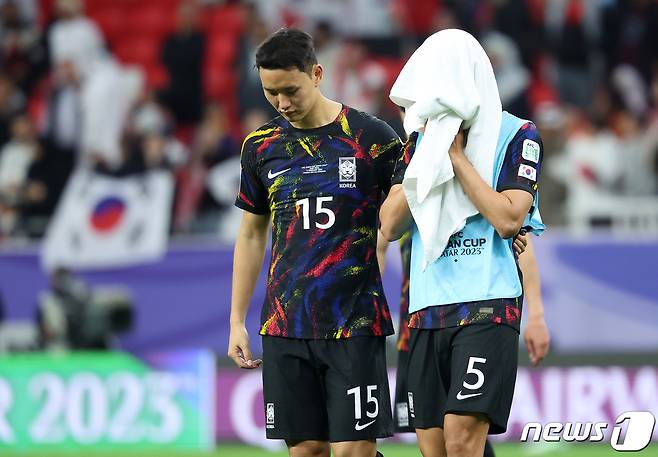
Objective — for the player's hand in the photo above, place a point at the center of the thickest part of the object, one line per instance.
(537, 339)
(456, 151)
(238, 348)
(520, 242)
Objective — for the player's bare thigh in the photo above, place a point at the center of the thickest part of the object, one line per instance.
(431, 442)
(465, 434)
(363, 448)
(308, 448)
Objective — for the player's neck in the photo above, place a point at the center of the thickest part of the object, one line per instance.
(324, 112)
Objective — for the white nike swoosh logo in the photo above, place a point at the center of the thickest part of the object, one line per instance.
(359, 427)
(461, 396)
(271, 175)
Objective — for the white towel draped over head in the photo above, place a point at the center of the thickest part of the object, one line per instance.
(447, 81)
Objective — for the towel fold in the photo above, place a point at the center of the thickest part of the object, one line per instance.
(446, 83)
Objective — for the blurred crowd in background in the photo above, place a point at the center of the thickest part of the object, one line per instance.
(129, 86)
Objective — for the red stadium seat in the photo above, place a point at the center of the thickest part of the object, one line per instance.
(150, 19)
(221, 50)
(111, 21)
(226, 20)
(143, 50)
(220, 82)
(156, 75)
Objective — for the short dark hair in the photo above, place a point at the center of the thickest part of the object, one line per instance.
(287, 48)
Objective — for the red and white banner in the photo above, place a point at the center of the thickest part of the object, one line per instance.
(105, 222)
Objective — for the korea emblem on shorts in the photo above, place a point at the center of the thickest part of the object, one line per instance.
(269, 415)
(347, 169)
(402, 414)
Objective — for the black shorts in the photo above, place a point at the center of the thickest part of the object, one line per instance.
(401, 417)
(469, 369)
(326, 390)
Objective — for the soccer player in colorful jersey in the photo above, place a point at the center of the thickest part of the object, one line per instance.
(318, 172)
(463, 355)
(536, 334)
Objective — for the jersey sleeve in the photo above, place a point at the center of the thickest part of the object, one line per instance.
(252, 196)
(523, 161)
(389, 149)
(404, 159)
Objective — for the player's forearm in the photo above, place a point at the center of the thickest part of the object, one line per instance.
(247, 261)
(395, 216)
(496, 207)
(531, 282)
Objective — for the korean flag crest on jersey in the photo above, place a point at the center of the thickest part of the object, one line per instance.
(528, 172)
(347, 169)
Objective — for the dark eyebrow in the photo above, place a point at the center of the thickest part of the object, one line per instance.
(283, 89)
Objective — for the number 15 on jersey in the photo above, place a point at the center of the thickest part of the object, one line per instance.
(319, 209)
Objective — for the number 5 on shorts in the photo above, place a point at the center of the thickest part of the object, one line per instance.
(471, 369)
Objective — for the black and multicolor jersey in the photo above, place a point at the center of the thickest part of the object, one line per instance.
(405, 158)
(521, 170)
(322, 188)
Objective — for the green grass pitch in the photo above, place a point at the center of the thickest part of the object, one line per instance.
(389, 450)
(502, 450)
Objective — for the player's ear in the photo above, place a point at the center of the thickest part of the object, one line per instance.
(316, 74)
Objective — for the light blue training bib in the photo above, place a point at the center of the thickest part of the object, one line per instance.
(477, 264)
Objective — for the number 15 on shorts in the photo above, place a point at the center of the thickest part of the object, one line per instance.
(371, 406)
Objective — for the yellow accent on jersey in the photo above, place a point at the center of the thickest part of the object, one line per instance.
(369, 233)
(302, 141)
(345, 125)
(274, 187)
(378, 149)
(274, 263)
(351, 271)
(266, 324)
(256, 133)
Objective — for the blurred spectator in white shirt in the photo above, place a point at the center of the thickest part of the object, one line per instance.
(107, 89)
(15, 159)
(75, 38)
(16, 156)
